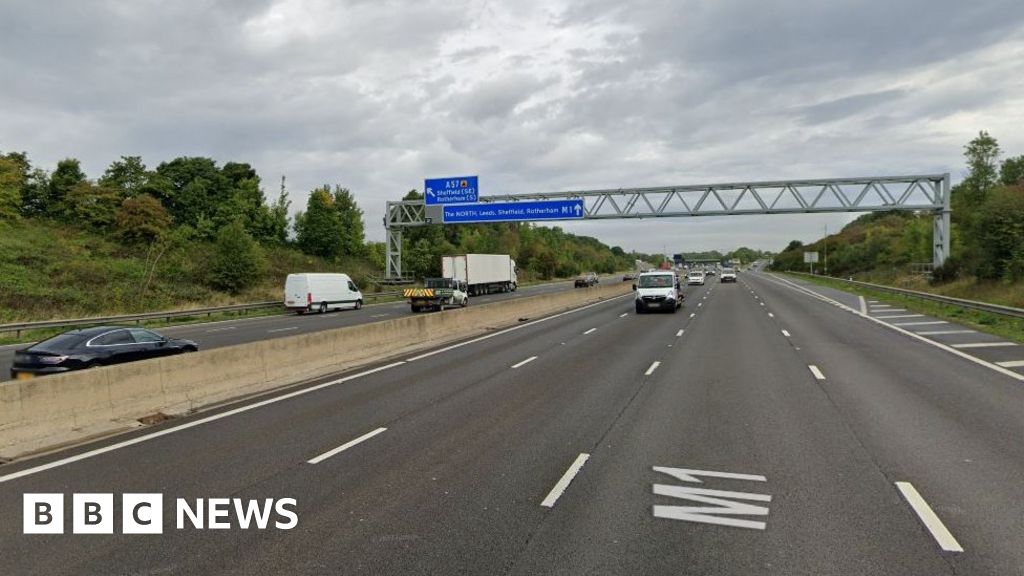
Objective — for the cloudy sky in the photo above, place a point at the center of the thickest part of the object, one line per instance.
(532, 95)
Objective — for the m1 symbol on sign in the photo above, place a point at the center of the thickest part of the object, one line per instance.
(457, 190)
(720, 506)
(514, 211)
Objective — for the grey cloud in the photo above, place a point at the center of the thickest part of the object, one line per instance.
(847, 106)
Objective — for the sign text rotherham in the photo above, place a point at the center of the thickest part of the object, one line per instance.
(514, 211)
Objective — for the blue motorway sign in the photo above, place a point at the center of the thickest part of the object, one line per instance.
(514, 211)
(457, 190)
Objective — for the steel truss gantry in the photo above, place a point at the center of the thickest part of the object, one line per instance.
(927, 193)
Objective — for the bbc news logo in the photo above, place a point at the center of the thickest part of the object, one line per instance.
(93, 513)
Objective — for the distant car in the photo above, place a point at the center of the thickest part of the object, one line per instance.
(695, 277)
(728, 275)
(710, 272)
(586, 280)
(92, 347)
(628, 276)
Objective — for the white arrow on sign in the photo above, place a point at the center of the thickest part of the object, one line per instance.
(723, 502)
(577, 208)
(430, 192)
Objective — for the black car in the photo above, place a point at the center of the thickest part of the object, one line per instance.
(91, 347)
(586, 280)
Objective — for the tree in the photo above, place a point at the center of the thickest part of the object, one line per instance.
(142, 219)
(332, 225)
(12, 182)
(1001, 234)
(237, 259)
(127, 175)
(192, 189)
(64, 179)
(794, 245)
(1011, 172)
(94, 205)
(318, 230)
(35, 195)
(982, 154)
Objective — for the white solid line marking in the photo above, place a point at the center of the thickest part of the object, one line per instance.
(863, 305)
(939, 531)
(888, 310)
(591, 331)
(623, 315)
(225, 329)
(283, 329)
(932, 323)
(511, 329)
(984, 345)
(194, 423)
(1011, 363)
(872, 301)
(527, 361)
(900, 316)
(817, 373)
(785, 333)
(345, 446)
(942, 332)
(881, 305)
(653, 367)
(680, 333)
(563, 482)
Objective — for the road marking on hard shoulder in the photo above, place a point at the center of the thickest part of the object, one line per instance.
(900, 316)
(881, 305)
(770, 315)
(524, 362)
(187, 425)
(785, 333)
(863, 305)
(817, 373)
(944, 332)
(930, 323)
(283, 329)
(379, 315)
(952, 350)
(224, 329)
(345, 446)
(984, 345)
(927, 516)
(699, 304)
(591, 331)
(680, 333)
(1011, 363)
(653, 367)
(692, 314)
(889, 310)
(623, 315)
(563, 482)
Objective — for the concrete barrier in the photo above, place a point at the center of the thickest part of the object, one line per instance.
(55, 410)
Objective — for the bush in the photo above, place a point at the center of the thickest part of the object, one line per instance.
(142, 218)
(949, 271)
(237, 259)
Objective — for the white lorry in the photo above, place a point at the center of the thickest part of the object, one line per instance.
(482, 273)
(322, 292)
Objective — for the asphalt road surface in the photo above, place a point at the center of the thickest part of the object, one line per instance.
(767, 428)
(252, 329)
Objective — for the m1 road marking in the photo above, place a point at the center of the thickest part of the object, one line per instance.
(984, 345)
(724, 504)
(680, 333)
(524, 362)
(944, 332)
(653, 367)
(930, 323)
(785, 333)
(591, 331)
(1011, 364)
(345, 446)
(563, 482)
(817, 373)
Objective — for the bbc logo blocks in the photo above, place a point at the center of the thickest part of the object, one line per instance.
(93, 513)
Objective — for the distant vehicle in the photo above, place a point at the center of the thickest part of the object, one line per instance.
(92, 347)
(710, 272)
(482, 273)
(438, 294)
(321, 292)
(586, 280)
(728, 275)
(658, 291)
(628, 276)
(695, 277)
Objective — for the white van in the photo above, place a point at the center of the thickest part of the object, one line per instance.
(321, 292)
(658, 291)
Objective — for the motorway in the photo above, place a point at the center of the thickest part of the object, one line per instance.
(254, 328)
(769, 427)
